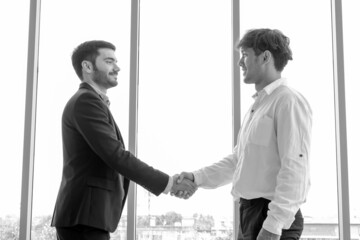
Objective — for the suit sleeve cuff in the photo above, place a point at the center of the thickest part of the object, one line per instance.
(169, 186)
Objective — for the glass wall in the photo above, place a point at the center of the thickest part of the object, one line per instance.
(184, 107)
(14, 21)
(85, 20)
(352, 85)
(185, 119)
(308, 25)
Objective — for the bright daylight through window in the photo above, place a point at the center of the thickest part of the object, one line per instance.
(184, 109)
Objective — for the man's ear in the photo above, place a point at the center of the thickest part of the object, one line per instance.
(267, 56)
(87, 66)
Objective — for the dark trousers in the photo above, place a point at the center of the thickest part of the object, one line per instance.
(253, 214)
(81, 232)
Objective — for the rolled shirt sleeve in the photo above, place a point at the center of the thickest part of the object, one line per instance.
(293, 128)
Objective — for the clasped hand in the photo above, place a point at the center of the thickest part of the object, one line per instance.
(183, 185)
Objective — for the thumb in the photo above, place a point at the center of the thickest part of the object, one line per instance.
(180, 178)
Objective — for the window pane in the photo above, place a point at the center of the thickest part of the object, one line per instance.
(351, 39)
(185, 119)
(14, 22)
(64, 25)
(308, 25)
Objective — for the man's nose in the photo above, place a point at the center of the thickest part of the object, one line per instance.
(117, 68)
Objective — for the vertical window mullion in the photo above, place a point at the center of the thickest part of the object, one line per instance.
(30, 120)
(133, 111)
(340, 120)
(235, 91)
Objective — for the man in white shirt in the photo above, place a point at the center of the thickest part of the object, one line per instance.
(269, 167)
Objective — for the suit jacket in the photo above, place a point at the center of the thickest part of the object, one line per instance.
(96, 167)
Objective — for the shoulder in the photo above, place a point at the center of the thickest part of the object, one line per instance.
(287, 96)
(287, 93)
(85, 96)
(83, 100)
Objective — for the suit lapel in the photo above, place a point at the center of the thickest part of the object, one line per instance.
(126, 182)
(116, 129)
(118, 134)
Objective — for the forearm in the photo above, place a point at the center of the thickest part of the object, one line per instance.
(215, 175)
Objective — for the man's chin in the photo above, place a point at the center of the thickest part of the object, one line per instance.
(246, 80)
(114, 83)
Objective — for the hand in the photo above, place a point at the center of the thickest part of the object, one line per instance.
(187, 175)
(183, 189)
(266, 235)
(180, 178)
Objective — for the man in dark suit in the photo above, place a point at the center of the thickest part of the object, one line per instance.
(96, 167)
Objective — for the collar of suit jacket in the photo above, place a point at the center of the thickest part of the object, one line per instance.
(102, 95)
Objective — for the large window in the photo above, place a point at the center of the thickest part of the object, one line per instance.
(185, 100)
(14, 17)
(352, 84)
(185, 113)
(311, 73)
(57, 82)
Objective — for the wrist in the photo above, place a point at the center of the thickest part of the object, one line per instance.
(169, 185)
(192, 177)
(197, 178)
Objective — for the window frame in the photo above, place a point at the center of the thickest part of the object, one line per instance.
(30, 121)
(340, 121)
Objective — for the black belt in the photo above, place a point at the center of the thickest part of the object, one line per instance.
(251, 202)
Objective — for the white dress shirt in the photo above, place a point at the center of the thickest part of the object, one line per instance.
(271, 158)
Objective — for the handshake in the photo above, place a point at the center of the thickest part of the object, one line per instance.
(183, 185)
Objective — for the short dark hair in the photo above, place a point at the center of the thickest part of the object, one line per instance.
(88, 51)
(272, 40)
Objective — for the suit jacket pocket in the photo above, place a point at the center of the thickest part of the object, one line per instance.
(101, 183)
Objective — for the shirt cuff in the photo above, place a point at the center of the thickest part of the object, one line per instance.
(169, 186)
(197, 178)
(273, 226)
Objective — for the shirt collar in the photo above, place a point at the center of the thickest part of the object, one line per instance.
(271, 87)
